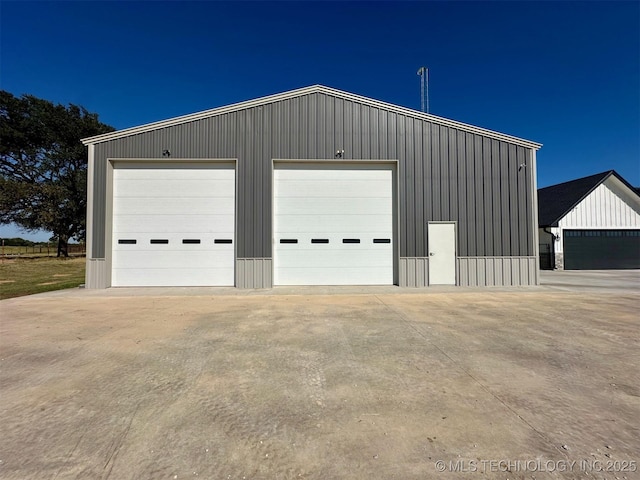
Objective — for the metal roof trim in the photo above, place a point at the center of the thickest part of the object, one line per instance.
(297, 93)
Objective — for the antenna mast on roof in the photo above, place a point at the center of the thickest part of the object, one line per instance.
(424, 89)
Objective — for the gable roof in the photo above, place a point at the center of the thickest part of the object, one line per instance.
(555, 201)
(306, 91)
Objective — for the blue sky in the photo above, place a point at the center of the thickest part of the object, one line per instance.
(563, 74)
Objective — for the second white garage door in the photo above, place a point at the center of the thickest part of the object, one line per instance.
(173, 224)
(333, 225)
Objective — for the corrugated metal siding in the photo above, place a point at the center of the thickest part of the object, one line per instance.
(254, 273)
(496, 271)
(414, 272)
(445, 173)
(99, 205)
(96, 274)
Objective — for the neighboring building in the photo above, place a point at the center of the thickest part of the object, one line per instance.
(591, 223)
(311, 187)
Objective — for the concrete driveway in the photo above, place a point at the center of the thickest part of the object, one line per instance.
(524, 383)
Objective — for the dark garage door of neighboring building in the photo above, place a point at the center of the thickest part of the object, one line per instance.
(601, 249)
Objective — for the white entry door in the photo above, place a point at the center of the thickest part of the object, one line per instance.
(333, 224)
(442, 253)
(173, 224)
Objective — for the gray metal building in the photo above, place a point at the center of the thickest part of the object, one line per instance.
(311, 186)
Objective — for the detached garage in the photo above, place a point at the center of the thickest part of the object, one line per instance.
(311, 187)
(592, 223)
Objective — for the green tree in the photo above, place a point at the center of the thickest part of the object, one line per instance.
(43, 165)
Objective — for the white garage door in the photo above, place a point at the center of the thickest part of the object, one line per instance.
(333, 225)
(173, 224)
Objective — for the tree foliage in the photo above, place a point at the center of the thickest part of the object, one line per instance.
(43, 165)
(19, 242)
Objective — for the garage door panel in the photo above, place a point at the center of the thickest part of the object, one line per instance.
(335, 224)
(305, 240)
(176, 241)
(360, 275)
(173, 205)
(176, 277)
(183, 171)
(314, 258)
(337, 188)
(331, 205)
(164, 188)
(177, 248)
(177, 259)
(167, 205)
(170, 223)
(346, 172)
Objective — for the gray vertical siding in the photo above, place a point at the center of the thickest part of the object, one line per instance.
(496, 271)
(254, 273)
(413, 272)
(445, 173)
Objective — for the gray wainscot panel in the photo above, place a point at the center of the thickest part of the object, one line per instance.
(414, 271)
(496, 271)
(254, 273)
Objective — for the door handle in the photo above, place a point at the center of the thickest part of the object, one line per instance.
(431, 254)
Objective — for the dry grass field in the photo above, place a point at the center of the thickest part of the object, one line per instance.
(26, 276)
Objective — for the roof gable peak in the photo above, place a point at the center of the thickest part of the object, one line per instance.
(556, 201)
(317, 88)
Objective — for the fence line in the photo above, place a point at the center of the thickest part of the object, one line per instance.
(40, 250)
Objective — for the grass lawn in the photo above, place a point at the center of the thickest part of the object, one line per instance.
(20, 277)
